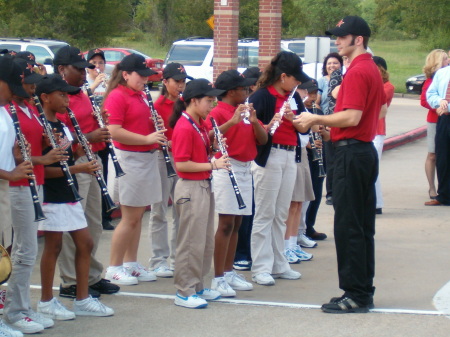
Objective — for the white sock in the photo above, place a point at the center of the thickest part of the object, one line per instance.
(115, 268)
(130, 264)
(292, 242)
(286, 244)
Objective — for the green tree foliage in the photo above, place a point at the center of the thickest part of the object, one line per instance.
(80, 22)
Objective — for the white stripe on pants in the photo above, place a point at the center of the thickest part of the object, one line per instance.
(378, 142)
(158, 226)
(89, 190)
(274, 185)
(24, 252)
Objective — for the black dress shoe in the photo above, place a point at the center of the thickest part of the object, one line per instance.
(379, 211)
(107, 225)
(71, 292)
(105, 287)
(316, 236)
(329, 200)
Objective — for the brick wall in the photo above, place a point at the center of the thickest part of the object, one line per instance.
(226, 29)
(269, 30)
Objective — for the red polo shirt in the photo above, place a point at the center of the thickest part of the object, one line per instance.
(32, 130)
(188, 145)
(164, 106)
(285, 134)
(241, 139)
(82, 109)
(361, 89)
(389, 92)
(128, 108)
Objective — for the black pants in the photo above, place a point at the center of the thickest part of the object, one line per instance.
(442, 141)
(243, 249)
(355, 173)
(103, 154)
(329, 160)
(317, 184)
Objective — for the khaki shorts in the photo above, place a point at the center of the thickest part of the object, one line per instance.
(303, 190)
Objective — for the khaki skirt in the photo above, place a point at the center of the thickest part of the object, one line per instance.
(141, 184)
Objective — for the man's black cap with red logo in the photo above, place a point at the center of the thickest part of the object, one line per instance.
(137, 63)
(353, 25)
(175, 71)
(68, 55)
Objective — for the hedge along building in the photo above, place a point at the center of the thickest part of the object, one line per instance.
(226, 33)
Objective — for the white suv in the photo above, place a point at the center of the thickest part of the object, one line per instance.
(44, 50)
(196, 55)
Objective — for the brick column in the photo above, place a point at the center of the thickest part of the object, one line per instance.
(269, 30)
(226, 29)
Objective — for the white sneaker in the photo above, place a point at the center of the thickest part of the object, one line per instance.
(2, 300)
(237, 281)
(220, 284)
(288, 275)
(55, 310)
(27, 325)
(6, 331)
(191, 302)
(209, 294)
(91, 307)
(264, 279)
(137, 270)
(301, 254)
(38, 318)
(118, 275)
(306, 242)
(291, 257)
(163, 271)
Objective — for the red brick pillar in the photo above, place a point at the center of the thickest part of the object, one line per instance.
(269, 30)
(226, 29)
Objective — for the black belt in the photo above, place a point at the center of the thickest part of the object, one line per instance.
(284, 147)
(346, 142)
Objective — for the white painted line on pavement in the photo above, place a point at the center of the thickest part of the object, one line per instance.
(285, 305)
(442, 299)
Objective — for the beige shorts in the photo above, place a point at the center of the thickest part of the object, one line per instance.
(303, 190)
(141, 184)
(224, 195)
(5, 211)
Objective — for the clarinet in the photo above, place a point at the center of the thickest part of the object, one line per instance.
(316, 135)
(224, 151)
(38, 213)
(49, 132)
(101, 123)
(110, 205)
(170, 171)
(282, 110)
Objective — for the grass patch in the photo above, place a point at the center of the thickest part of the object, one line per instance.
(404, 59)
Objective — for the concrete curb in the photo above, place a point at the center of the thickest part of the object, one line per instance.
(405, 138)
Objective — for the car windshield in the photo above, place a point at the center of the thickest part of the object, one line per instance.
(187, 55)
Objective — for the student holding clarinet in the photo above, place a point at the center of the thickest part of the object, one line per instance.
(241, 141)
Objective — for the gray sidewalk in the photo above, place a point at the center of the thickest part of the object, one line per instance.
(412, 265)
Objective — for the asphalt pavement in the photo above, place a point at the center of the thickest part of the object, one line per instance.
(412, 265)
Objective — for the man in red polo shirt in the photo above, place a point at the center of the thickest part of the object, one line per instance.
(360, 103)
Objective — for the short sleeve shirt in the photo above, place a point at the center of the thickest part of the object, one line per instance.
(361, 89)
(164, 107)
(188, 145)
(7, 139)
(286, 134)
(129, 109)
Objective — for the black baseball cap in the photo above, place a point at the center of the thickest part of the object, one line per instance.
(379, 61)
(353, 25)
(253, 73)
(30, 77)
(95, 52)
(310, 85)
(231, 79)
(54, 82)
(137, 63)
(69, 55)
(175, 71)
(27, 56)
(200, 87)
(290, 64)
(12, 74)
